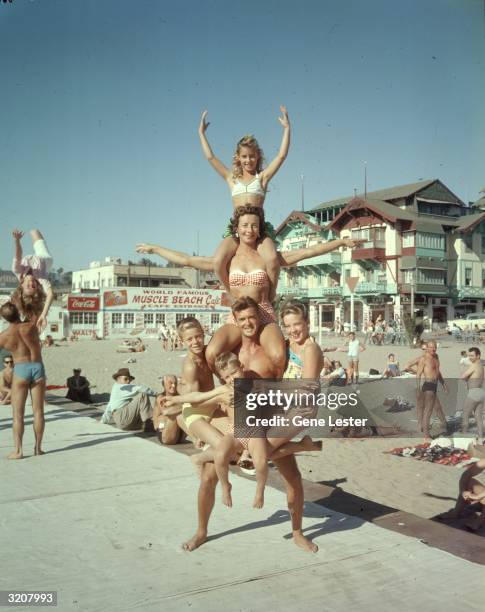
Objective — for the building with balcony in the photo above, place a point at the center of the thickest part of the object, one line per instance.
(420, 243)
(316, 279)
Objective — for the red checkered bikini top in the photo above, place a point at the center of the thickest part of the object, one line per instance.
(256, 278)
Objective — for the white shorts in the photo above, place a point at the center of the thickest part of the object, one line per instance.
(42, 252)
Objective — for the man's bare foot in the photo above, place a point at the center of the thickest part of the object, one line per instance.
(302, 542)
(258, 500)
(38, 451)
(310, 445)
(197, 540)
(197, 464)
(226, 495)
(15, 455)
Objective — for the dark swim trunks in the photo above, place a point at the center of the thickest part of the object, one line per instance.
(430, 385)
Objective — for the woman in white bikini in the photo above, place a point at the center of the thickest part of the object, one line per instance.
(248, 183)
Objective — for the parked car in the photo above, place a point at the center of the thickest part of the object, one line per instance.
(468, 323)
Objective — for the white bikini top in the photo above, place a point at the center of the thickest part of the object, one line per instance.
(254, 187)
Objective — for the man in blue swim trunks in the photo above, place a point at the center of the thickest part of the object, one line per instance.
(22, 340)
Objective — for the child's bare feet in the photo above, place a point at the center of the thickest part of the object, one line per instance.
(38, 451)
(15, 455)
(226, 494)
(258, 500)
(302, 542)
(197, 540)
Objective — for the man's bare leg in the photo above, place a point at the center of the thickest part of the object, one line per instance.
(468, 409)
(288, 469)
(429, 400)
(38, 394)
(420, 408)
(20, 390)
(440, 413)
(205, 504)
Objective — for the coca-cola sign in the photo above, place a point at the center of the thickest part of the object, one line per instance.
(82, 303)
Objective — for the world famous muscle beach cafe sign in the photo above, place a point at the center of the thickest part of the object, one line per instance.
(166, 300)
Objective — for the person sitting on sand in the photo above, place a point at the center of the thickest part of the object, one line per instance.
(132, 347)
(6, 377)
(469, 490)
(168, 423)
(338, 375)
(392, 368)
(49, 341)
(129, 406)
(22, 340)
(78, 388)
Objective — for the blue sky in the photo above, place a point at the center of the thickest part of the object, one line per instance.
(101, 103)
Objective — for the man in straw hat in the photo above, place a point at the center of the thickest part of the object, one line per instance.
(129, 405)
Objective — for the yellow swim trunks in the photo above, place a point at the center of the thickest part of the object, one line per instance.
(191, 414)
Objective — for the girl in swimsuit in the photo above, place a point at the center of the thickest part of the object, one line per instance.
(248, 183)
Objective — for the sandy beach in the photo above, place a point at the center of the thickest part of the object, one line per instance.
(357, 466)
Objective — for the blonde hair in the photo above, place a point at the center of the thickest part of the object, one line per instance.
(188, 323)
(246, 141)
(224, 360)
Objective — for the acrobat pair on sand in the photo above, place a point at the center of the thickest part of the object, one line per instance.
(26, 313)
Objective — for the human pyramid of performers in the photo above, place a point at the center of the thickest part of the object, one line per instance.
(250, 344)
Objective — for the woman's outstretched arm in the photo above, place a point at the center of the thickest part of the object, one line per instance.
(194, 261)
(289, 258)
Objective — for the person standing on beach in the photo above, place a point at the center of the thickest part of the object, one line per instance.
(354, 347)
(475, 399)
(429, 368)
(22, 340)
